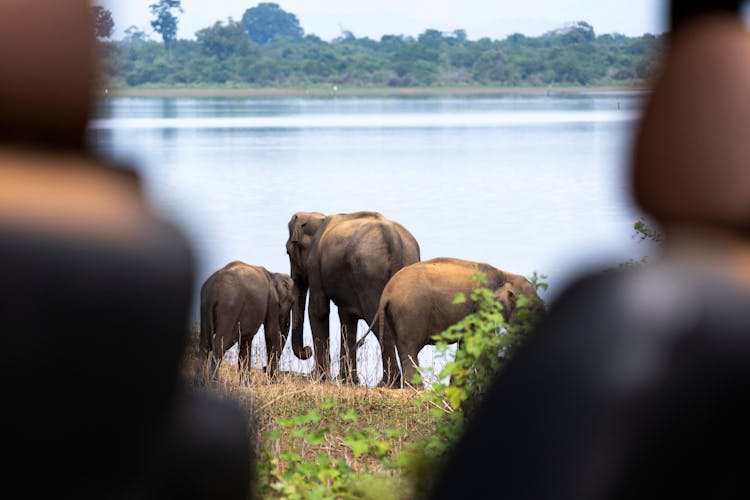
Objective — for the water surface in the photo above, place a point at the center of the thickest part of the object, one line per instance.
(528, 183)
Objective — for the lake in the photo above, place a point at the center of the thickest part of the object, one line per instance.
(526, 182)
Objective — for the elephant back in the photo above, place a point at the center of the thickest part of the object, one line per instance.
(375, 247)
(238, 282)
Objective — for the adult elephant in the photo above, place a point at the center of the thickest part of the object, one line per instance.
(347, 259)
(235, 301)
(418, 302)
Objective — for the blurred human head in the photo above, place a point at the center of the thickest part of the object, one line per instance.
(46, 72)
(691, 160)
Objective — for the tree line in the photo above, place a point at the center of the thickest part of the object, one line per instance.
(268, 48)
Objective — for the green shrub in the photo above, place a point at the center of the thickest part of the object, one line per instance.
(293, 476)
(486, 342)
(306, 467)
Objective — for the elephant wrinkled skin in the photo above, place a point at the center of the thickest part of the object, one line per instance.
(235, 301)
(347, 259)
(417, 303)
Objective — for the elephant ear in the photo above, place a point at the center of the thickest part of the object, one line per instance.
(507, 296)
(295, 238)
(286, 288)
(295, 230)
(281, 285)
(305, 228)
(302, 229)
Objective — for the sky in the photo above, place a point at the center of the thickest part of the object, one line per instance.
(495, 19)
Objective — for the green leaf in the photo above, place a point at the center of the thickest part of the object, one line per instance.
(455, 396)
(358, 446)
(342, 465)
(285, 422)
(328, 474)
(290, 456)
(393, 433)
(316, 438)
(328, 404)
(308, 469)
(383, 447)
(273, 435)
(437, 412)
(314, 416)
(349, 416)
(522, 300)
(460, 298)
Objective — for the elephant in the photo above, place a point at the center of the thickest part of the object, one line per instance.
(417, 303)
(235, 301)
(347, 259)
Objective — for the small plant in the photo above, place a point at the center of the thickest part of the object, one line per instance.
(646, 231)
(291, 475)
(643, 230)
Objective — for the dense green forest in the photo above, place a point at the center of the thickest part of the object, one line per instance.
(268, 48)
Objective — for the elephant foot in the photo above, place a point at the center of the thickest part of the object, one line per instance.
(390, 384)
(320, 377)
(244, 377)
(350, 380)
(272, 374)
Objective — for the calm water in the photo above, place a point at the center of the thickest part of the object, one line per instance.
(524, 182)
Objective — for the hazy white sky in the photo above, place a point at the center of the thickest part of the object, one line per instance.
(480, 18)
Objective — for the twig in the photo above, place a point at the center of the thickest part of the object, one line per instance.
(279, 397)
(446, 406)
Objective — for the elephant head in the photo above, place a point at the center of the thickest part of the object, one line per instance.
(302, 229)
(508, 295)
(287, 292)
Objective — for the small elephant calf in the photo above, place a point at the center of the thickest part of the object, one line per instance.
(417, 303)
(235, 301)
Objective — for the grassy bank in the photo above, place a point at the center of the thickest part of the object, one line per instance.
(317, 439)
(328, 440)
(148, 91)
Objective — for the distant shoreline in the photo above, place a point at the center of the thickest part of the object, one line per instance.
(358, 91)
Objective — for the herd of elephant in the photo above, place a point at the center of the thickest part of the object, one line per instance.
(370, 267)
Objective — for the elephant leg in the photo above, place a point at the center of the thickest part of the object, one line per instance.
(274, 342)
(243, 359)
(409, 365)
(320, 310)
(391, 372)
(200, 373)
(208, 367)
(217, 354)
(348, 354)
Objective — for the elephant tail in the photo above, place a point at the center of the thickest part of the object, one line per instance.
(208, 326)
(363, 338)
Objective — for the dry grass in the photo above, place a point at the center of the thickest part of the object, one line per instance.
(379, 411)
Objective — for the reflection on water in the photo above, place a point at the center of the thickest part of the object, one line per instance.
(393, 120)
(526, 183)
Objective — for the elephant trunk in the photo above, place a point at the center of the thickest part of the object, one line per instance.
(298, 319)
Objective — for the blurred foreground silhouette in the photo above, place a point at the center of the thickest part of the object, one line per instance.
(95, 297)
(637, 383)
